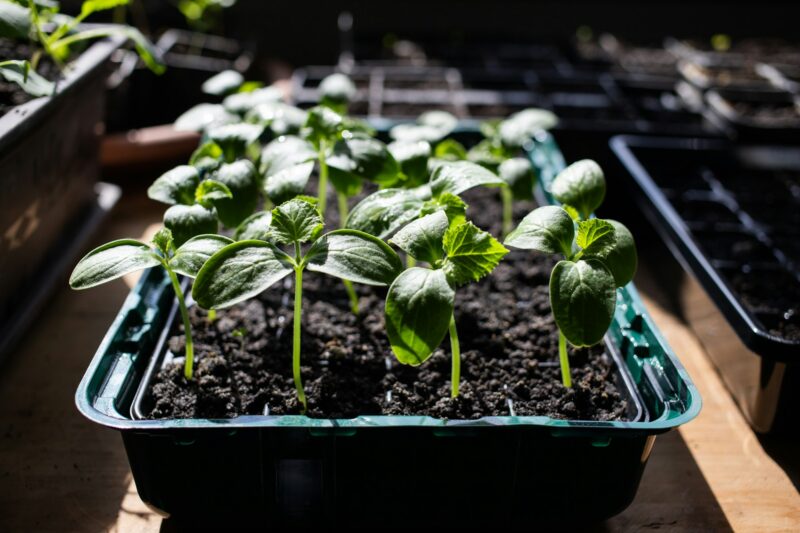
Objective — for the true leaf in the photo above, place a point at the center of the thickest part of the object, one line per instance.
(452, 205)
(419, 305)
(581, 185)
(241, 179)
(193, 254)
(471, 253)
(547, 229)
(21, 73)
(296, 221)
(422, 238)
(458, 176)
(92, 6)
(186, 221)
(594, 236)
(518, 174)
(355, 256)
(206, 158)
(163, 242)
(204, 116)
(255, 227)
(239, 271)
(620, 257)
(583, 297)
(211, 191)
(111, 261)
(176, 186)
(223, 83)
(385, 211)
(450, 150)
(518, 129)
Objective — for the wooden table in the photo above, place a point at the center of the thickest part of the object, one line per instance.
(59, 472)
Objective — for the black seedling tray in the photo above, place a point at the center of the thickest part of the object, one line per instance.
(755, 116)
(731, 216)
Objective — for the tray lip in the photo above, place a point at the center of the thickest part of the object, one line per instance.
(689, 253)
(557, 427)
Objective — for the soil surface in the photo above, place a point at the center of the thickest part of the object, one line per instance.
(508, 341)
(11, 95)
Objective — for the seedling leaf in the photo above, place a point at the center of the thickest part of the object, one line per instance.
(422, 238)
(296, 221)
(111, 261)
(176, 186)
(471, 253)
(548, 229)
(255, 227)
(582, 296)
(581, 185)
(459, 176)
(192, 255)
(354, 256)
(186, 221)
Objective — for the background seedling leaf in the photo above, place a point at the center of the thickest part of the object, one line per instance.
(239, 271)
(487, 154)
(235, 138)
(594, 236)
(223, 83)
(355, 256)
(422, 238)
(204, 116)
(111, 261)
(241, 178)
(581, 185)
(281, 118)
(582, 296)
(242, 102)
(297, 220)
(176, 186)
(419, 305)
(186, 221)
(471, 253)
(384, 212)
(518, 174)
(15, 21)
(620, 257)
(450, 150)
(412, 156)
(547, 229)
(364, 158)
(458, 176)
(211, 191)
(337, 89)
(255, 227)
(192, 255)
(520, 127)
(323, 124)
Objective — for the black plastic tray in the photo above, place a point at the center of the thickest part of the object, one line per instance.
(733, 110)
(730, 214)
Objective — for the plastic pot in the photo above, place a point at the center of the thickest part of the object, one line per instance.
(727, 214)
(49, 166)
(278, 471)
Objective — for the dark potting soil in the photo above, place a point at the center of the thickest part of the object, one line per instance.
(507, 334)
(11, 95)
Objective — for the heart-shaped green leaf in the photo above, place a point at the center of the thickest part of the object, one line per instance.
(419, 305)
(239, 271)
(255, 227)
(581, 186)
(241, 179)
(354, 256)
(364, 158)
(296, 221)
(471, 253)
(413, 160)
(241, 103)
(186, 221)
(520, 127)
(337, 90)
(323, 124)
(458, 176)
(450, 150)
(111, 261)
(176, 186)
(385, 211)
(190, 257)
(548, 229)
(583, 297)
(422, 238)
(224, 83)
(235, 138)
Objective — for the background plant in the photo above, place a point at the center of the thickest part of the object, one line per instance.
(599, 256)
(248, 267)
(419, 304)
(117, 258)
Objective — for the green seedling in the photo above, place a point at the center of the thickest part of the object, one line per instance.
(117, 258)
(203, 15)
(419, 304)
(599, 256)
(248, 267)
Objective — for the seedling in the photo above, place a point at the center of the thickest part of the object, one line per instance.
(117, 258)
(599, 257)
(248, 267)
(419, 304)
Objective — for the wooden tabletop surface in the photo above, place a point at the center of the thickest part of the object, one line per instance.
(60, 472)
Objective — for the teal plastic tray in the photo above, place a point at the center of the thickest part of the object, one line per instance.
(295, 470)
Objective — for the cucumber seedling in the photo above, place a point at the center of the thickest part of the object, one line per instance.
(599, 257)
(117, 258)
(248, 267)
(419, 304)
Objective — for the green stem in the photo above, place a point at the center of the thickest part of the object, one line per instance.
(344, 211)
(508, 210)
(455, 355)
(348, 285)
(322, 194)
(212, 315)
(298, 310)
(410, 261)
(351, 294)
(188, 366)
(566, 377)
